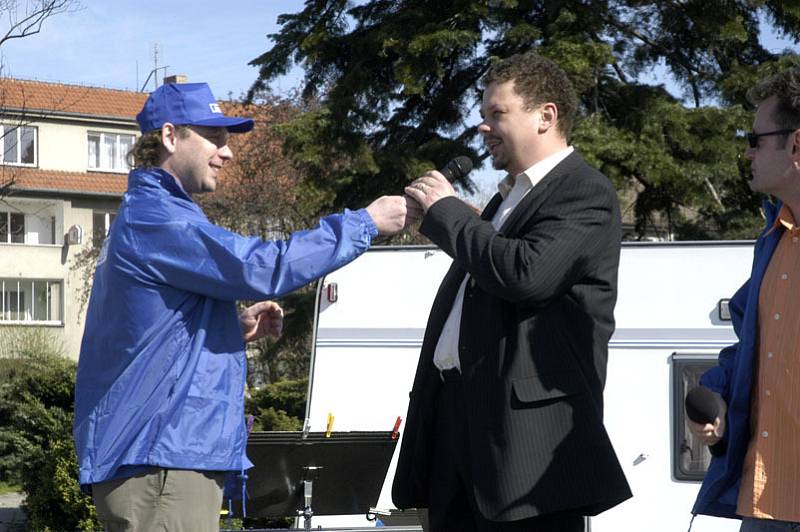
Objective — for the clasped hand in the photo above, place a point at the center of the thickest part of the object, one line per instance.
(264, 318)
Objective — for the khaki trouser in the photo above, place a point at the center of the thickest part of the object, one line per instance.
(170, 500)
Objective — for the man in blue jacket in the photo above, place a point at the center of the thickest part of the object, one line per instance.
(159, 399)
(755, 468)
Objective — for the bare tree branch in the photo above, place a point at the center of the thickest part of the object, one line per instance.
(23, 23)
(24, 19)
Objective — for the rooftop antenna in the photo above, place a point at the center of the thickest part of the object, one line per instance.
(155, 65)
(153, 73)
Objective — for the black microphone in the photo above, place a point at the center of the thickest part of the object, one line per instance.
(457, 168)
(702, 405)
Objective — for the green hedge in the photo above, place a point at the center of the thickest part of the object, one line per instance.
(54, 500)
(36, 410)
(278, 406)
(36, 448)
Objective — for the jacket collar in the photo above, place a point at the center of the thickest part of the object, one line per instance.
(771, 210)
(533, 199)
(159, 178)
(535, 173)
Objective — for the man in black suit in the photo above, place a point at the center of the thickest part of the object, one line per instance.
(504, 429)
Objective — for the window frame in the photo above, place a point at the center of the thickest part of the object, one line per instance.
(699, 363)
(122, 157)
(108, 219)
(47, 227)
(8, 214)
(21, 308)
(17, 130)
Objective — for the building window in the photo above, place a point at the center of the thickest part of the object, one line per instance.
(30, 301)
(101, 223)
(12, 228)
(31, 223)
(109, 151)
(19, 145)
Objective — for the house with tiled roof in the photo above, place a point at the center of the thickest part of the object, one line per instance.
(63, 171)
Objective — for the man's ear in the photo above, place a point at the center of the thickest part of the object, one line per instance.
(548, 114)
(169, 137)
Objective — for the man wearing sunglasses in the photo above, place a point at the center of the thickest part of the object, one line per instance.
(159, 399)
(755, 469)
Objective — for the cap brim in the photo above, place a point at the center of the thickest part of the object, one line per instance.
(231, 123)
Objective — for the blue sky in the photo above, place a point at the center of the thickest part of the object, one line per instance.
(100, 45)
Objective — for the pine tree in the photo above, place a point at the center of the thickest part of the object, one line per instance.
(397, 80)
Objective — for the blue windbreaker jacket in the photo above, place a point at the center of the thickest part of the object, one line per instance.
(162, 366)
(733, 379)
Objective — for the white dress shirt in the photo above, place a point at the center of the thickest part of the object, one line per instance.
(513, 189)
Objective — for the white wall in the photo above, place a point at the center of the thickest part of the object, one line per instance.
(54, 262)
(64, 146)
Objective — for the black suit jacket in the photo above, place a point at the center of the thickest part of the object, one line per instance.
(537, 317)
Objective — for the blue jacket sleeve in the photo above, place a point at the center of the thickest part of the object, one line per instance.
(195, 255)
(718, 378)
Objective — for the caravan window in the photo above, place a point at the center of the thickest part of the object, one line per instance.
(690, 458)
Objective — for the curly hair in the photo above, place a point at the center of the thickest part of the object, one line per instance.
(785, 85)
(147, 151)
(537, 80)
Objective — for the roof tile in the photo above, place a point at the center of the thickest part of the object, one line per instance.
(71, 182)
(58, 97)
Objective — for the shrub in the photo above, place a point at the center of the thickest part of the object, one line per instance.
(21, 342)
(279, 406)
(54, 500)
(36, 448)
(36, 396)
(272, 419)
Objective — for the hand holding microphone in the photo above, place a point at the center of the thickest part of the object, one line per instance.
(435, 185)
(706, 412)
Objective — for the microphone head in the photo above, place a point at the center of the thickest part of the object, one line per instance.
(702, 405)
(457, 168)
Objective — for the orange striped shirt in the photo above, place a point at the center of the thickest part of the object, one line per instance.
(770, 485)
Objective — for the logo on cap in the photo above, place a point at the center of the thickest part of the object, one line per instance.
(214, 108)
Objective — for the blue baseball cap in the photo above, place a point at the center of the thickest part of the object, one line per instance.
(187, 104)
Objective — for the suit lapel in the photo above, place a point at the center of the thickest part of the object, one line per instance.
(455, 274)
(448, 288)
(491, 207)
(534, 199)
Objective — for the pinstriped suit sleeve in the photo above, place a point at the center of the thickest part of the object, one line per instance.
(546, 259)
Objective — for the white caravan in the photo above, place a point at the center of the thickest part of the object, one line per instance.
(671, 322)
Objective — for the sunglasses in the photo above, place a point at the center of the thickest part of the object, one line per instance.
(752, 136)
